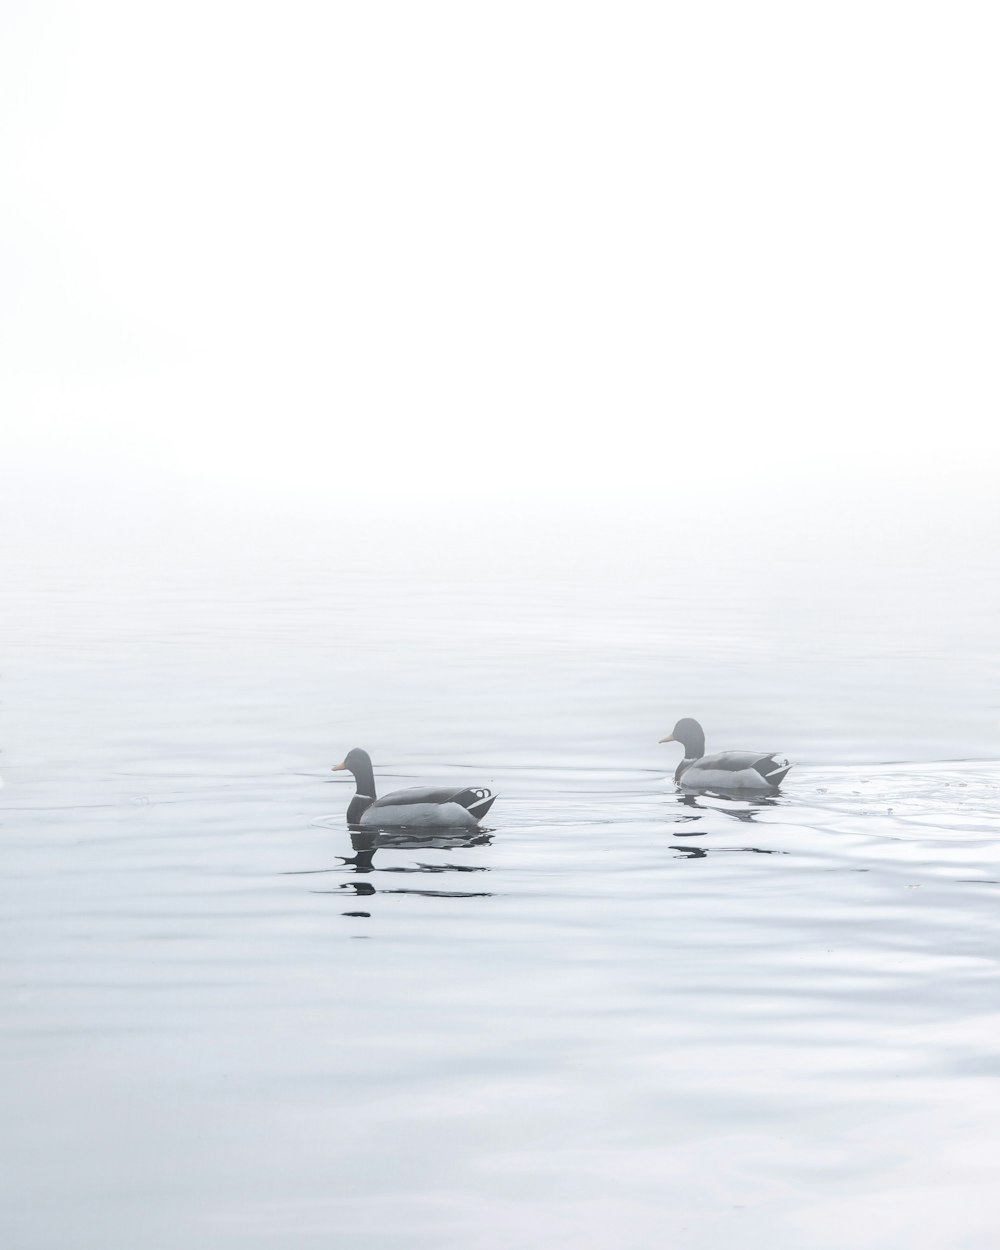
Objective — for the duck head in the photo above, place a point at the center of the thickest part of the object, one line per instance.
(359, 763)
(690, 735)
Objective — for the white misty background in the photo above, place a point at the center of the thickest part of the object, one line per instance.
(299, 260)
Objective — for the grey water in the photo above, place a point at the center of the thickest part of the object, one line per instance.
(618, 1016)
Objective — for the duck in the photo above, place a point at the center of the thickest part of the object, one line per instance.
(747, 771)
(423, 807)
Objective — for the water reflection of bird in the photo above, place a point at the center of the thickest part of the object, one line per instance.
(422, 807)
(747, 813)
(698, 852)
(365, 842)
(745, 771)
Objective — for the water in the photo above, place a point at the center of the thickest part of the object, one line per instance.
(616, 1018)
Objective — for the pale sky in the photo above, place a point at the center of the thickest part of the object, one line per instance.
(403, 250)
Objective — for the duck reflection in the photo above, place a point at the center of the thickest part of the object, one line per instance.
(704, 802)
(699, 852)
(365, 843)
(746, 810)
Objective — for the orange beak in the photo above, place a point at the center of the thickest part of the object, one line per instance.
(338, 768)
(668, 738)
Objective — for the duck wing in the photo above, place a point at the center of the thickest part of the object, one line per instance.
(737, 761)
(474, 799)
(768, 766)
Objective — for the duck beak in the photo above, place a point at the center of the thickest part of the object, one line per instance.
(668, 738)
(338, 768)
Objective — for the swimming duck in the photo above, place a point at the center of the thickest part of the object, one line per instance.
(419, 808)
(727, 770)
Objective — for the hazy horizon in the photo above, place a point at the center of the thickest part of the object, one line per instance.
(400, 257)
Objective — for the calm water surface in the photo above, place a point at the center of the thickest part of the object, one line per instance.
(616, 1018)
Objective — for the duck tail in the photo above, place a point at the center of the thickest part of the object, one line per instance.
(476, 800)
(777, 775)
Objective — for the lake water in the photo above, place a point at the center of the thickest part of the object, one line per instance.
(617, 1017)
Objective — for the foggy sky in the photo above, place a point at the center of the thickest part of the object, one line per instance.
(395, 252)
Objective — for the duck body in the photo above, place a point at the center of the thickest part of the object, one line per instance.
(733, 770)
(760, 772)
(422, 807)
